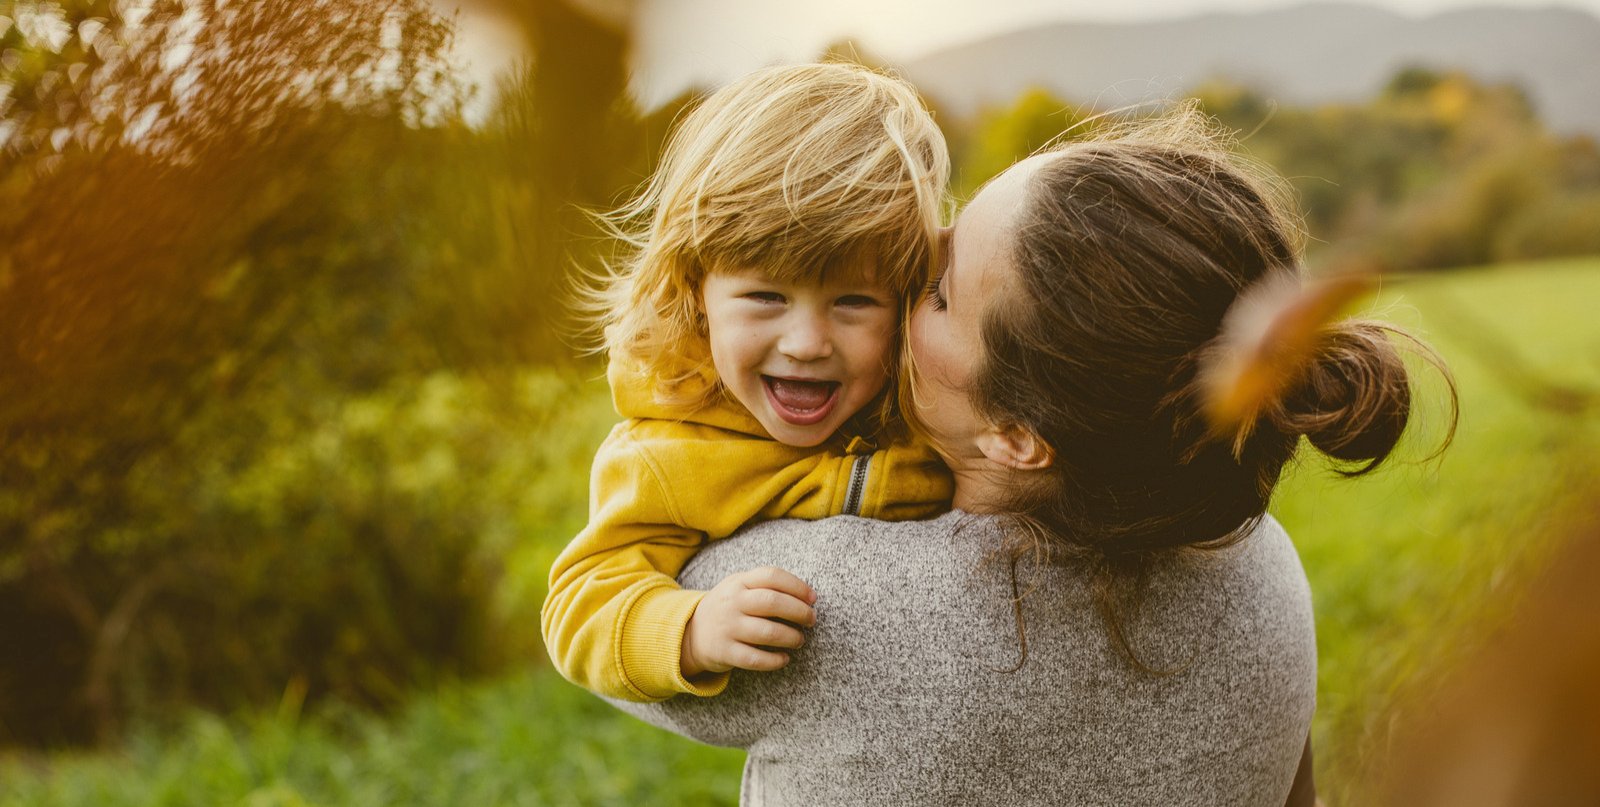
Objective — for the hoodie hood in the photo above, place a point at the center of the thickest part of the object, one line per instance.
(633, 393)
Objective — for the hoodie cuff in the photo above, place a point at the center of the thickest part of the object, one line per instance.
(650, 646)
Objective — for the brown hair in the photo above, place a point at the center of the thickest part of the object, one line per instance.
(792, 170)
(1129, 252)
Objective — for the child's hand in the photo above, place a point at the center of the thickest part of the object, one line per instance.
(740, 613)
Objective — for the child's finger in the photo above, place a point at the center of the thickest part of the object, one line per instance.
(772, 604)
(767, 632)
(779, 580)
(746, 657)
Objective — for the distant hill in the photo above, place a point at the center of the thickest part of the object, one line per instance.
(1309, 54)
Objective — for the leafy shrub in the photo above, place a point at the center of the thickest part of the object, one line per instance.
(1565, 225)
(1004, 136)
(267, 309)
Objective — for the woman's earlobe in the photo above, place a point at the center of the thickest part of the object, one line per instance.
(1016, 447)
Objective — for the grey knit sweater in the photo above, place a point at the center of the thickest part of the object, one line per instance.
(905, 691)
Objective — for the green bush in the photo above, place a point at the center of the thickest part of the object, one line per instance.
(1004, 136)
(269, 411)
(1564, 225)
(1461, 222)
(358, 544)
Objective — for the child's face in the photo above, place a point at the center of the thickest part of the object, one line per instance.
(801, 358)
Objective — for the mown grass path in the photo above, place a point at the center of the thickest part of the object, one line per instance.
(1410, 569)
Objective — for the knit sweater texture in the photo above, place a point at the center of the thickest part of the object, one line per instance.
(913, 689)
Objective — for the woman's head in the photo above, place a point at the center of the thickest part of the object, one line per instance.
(1086, 288)
(796, 173)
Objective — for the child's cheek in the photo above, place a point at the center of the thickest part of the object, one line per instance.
(892, 341)
(887, 355)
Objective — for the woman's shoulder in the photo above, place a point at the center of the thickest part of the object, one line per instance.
(1262, 565)
(1265, 551)
(863, 547)
(1262, 569)
(1253, 594)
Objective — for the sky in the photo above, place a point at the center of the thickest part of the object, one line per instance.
(679, 44)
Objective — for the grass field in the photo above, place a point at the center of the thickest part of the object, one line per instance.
(1410, 569)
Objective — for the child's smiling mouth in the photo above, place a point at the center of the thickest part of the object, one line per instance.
(801, 402)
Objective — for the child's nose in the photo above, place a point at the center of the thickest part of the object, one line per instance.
(806, 339)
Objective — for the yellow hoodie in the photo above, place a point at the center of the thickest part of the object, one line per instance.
(664, 482)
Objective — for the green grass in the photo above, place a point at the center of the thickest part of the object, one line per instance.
(531, 740)
(1413, 567)
(1410, 569)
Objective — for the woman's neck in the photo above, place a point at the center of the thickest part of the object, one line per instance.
(981, 486)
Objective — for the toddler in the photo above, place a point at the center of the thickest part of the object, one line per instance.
(752, 333)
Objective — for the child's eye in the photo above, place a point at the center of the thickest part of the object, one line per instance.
(931, 292)
(856, 301)
(764, 296)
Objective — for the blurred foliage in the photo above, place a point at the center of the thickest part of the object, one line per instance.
(1439, 171)
(269, 311)
(1520, 724)
(1001, 137)
(355, 544)
(532, 739)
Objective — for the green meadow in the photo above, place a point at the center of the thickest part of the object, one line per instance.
(1414, 566)
(1411, 568)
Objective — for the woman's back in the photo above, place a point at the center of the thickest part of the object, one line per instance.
(905, 691)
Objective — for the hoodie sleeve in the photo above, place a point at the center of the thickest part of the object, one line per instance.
(614, 618)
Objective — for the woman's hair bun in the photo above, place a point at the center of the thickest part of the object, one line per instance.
(1354, 398)
(1285, 360)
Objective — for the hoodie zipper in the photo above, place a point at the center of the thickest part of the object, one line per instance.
(858, 485)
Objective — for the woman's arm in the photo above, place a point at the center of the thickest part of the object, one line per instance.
(713, 721)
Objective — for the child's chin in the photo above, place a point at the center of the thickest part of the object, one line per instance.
(798, 436)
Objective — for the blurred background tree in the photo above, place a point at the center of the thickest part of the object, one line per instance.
(1439, 171)
(268, 310)
(1000, 137)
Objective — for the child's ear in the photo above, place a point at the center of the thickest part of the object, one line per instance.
(1015, 447)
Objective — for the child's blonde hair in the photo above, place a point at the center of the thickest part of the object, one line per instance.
(793, 171)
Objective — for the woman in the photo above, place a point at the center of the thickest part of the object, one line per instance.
(1108, 617)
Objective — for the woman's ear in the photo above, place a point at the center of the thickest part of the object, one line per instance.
(1015, 447)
